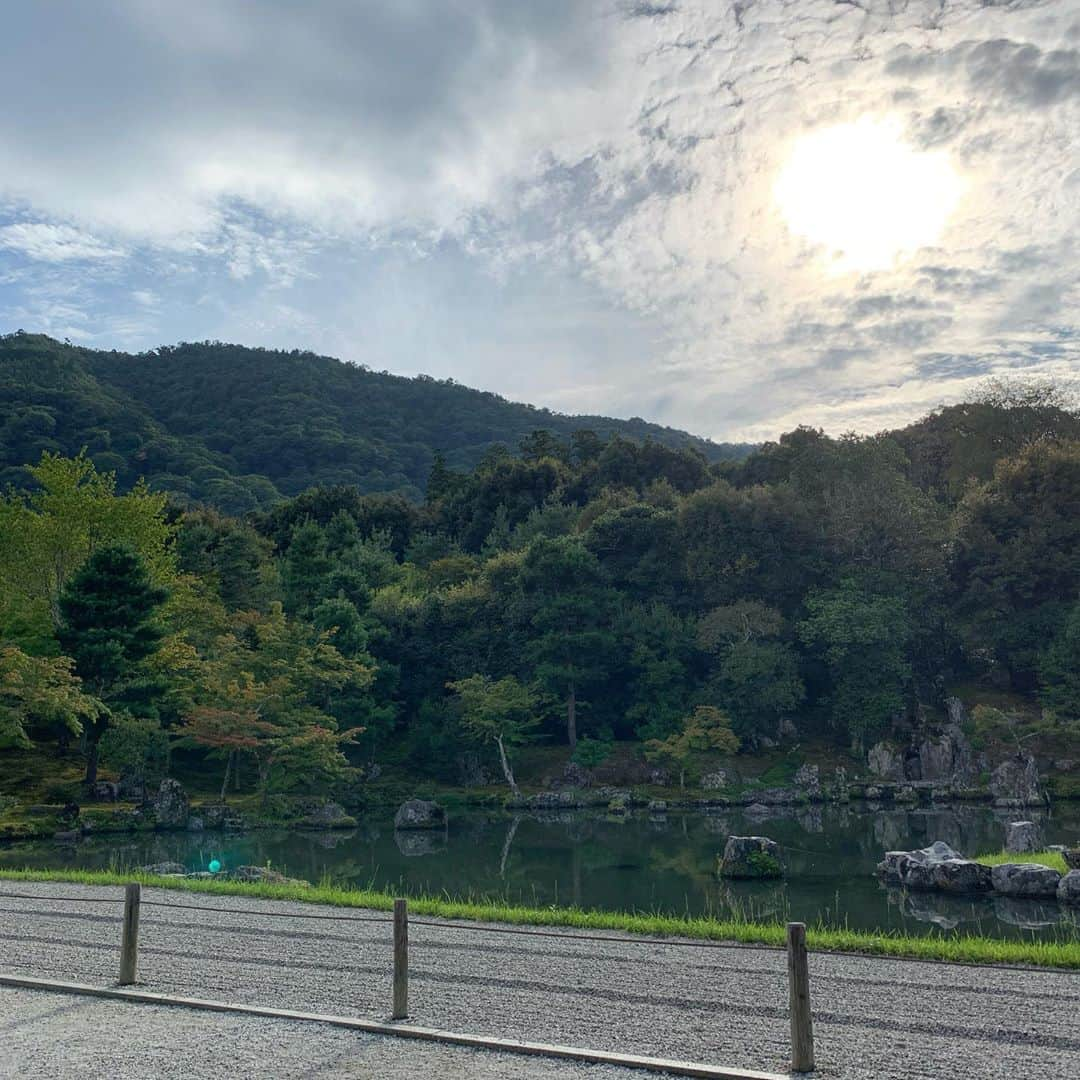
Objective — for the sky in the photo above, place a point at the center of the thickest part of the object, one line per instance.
(729, 217)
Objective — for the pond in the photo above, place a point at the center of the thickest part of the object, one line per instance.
(641, 862)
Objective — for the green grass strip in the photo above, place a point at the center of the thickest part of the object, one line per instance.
(957, 948)
(1054, 859)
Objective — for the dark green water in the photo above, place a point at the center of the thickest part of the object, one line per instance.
(642, 862)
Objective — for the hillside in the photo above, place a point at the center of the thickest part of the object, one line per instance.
(240, 428)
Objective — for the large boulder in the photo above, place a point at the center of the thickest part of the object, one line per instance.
(171, 805)
(325, 814)
(420, 814)
(1023, 837)
(937, 867)
(750, 857)
(948, 758)
(1068, 890)
(1016, 782)
(1072, 857)
(1031, 881)
(104, 791)
(886, 761)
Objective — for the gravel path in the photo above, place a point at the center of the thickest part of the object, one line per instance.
(873, 1018)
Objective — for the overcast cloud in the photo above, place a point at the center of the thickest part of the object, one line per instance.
(570, 203)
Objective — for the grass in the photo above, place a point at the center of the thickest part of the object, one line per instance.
(1054, 859)
(956, 948)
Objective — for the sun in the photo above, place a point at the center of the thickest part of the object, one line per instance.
(864, 194)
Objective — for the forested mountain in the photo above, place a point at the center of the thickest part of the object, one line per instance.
(583, 591)
(239, 428)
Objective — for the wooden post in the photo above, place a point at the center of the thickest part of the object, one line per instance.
(129, 943)
(401, 960)
(802, 1025)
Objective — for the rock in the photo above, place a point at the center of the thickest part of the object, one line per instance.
(171, 806)
(956, 711)
(1068, 890)
(263, 874)
(420, 814)
(103, 791)
(1023, 836)
(195, 824)
(67, 836)
(1072, 858)
(575, 776)
(759, 810)
(750, 857)
(937, 867)
(873, 791)
(907, 795)
(715, 781)
(962, 876)
(163, 869)
(327, 814)
(221, 816)
(1016, 782)
(659, 777)
(1030, 880)
(657, 806)
(619, 805)
(885, 761)
(808, 780)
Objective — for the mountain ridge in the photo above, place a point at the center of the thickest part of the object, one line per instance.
(239, 427)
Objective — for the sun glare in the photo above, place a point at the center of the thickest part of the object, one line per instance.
(865, 195)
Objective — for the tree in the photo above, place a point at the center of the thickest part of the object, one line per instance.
(40, 690)
(269, 692)
(501, 712)
(1016, 559)
(863, 639)
(109, 626)
(706, 729)
(1059, 674)
(758, 678)
(570, 613)
(48, 536)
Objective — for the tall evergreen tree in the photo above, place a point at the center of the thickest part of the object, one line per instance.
(108, 626)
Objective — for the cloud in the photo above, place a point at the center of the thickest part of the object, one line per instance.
(54, 243)
(570, 203)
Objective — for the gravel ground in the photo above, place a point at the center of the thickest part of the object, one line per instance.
(45, 1035)
(874, 1018)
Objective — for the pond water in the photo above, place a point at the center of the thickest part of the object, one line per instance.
(640, 862)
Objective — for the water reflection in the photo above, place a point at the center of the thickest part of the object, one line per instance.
(642, 860)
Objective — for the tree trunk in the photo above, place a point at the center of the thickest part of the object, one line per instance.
(91, 763)
(571, 717)
(228, 769)
(507, 771)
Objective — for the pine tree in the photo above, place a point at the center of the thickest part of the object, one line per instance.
(108, 626)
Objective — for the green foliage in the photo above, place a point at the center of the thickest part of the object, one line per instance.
(1059, 674)
(760, 864)
(41, 692)
(863, 640)
(589, 753)
(137, 747)
(590, 585)
(705, 729)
